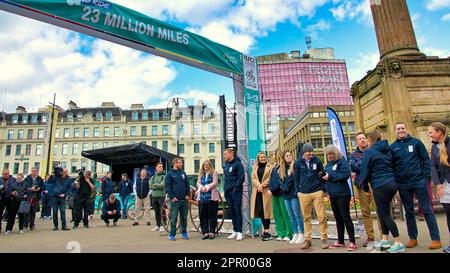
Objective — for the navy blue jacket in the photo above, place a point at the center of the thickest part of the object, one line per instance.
(338, 174)
(177, 184)
(308, 180)
(6, 192)
(287, 185)
(142, 187)
(274, 182)
(355, 164)
(378, 166)
(108, 206)
(411, 160)
(107, 188)
(125, 188)
(439, 171)
(60, 186)
(39, 182)
(234, 174)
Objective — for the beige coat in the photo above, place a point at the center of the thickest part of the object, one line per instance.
(267, 199)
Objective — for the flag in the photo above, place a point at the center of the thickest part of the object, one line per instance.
(337, 136)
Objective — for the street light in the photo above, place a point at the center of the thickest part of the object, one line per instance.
(178, 116)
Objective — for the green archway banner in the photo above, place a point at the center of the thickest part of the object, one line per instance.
(136, 27)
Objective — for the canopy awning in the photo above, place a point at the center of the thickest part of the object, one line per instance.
(138, 153)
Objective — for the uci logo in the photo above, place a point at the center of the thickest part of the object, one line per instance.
(97, 3)
(73, 2)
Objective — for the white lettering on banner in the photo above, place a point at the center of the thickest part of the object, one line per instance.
(93, 15)
(250, 73)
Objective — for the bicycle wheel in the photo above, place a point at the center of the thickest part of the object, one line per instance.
(195, 217)
(133, 213)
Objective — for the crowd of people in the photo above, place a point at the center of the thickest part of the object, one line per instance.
(282, 189)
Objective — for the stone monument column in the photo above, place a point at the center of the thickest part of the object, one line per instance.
(394, 29)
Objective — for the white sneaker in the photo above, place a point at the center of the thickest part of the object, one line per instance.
(21, 232)
(300, 239)
(279, 239)
(8, 233)
(155, 228)
(233, 236)
(161, 229)
(294, 239)
(239, 237)
(286, 239)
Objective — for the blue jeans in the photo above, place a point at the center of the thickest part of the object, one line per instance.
(124, 200)
(234, 200)
(295, 213)
(420, 189)
(59, 204)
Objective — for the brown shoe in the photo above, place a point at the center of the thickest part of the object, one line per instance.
(435, 245)
(411, 243)
(307, 244)
(325, 244)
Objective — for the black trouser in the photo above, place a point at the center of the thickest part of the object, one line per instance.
(259, 211)
(92, 206)
(31, 217)
(157, 203)
(6, 205)
(447, 212)
(107, 217)
(82, 211)
(208, 216)
(341, 210)
(12, 213)
(383, 197)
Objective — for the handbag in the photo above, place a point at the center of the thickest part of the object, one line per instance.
(24, 207)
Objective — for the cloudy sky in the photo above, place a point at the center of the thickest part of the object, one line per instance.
(37, 59)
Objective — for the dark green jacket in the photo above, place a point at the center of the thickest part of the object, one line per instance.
(157, 184)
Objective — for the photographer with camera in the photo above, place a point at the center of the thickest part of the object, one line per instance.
(60, 183)
(84, 186)
(36, 187)
(6, 201)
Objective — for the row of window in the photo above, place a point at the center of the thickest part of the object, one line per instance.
(21, 134)
(317, 128)
(26, 151)
(118, 131)
(108, 116)
(25, 167)
(85, 146)
(26, 119)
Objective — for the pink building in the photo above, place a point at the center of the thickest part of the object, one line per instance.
(291, 82)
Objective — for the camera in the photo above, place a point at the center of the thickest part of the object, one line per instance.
(80, 172)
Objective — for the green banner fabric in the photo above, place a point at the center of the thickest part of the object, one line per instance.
(125, 23)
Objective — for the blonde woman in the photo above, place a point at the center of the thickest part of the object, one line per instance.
(208, 198)
(261, 203)
(440, 166)
(337, 173)
(280, 213)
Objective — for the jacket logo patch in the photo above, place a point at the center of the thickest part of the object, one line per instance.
(231, 169)
(411, 148)
(314, 166)
(334, 167)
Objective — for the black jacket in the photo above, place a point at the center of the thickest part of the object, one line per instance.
(234, 174)
(177, 184)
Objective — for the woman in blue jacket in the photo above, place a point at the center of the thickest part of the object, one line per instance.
(440, 166)
(337, 173)
(289, 192)
(378, 168)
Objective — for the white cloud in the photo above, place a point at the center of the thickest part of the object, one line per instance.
(446, 18)
(360, 65)
(313, 30)
(353, 9)
(438, 4)
(37, 60)
(442, 53)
